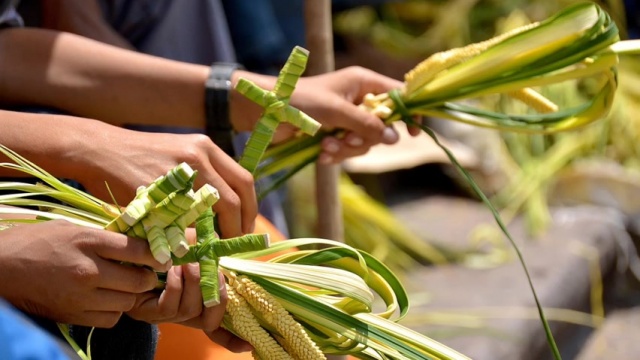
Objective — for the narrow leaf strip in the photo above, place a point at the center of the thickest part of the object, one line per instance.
(552, 344)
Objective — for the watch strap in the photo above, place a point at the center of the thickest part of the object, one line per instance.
(217, 96)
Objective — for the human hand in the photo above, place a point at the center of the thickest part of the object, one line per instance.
(73, 274)
(126, 159)
(181, 302)
(332, 99)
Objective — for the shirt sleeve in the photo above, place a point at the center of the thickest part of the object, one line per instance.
(9, 17)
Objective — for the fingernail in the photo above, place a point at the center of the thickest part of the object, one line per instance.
(325, 159)
(177, 271)
(355, 141)
(194, 267)
(167, 266)
(331, 147)
(389, 136)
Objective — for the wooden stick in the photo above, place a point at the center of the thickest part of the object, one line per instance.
(319, 37)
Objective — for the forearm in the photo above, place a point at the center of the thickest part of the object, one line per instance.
(90, 79)
(94, 80)
(57, 143)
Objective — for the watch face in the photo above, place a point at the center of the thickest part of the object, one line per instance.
(218, 84)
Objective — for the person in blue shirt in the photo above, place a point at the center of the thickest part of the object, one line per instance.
(21, 339)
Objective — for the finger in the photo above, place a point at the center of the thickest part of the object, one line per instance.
(121, 248)
(284, 131)
(125, 278)
(345, 115)
(99, 319)
(353, 140)
(335, 150)
(390, 136)
(154, 308)
(142, 299)
(242, 184)
(190, 234)
(364, 127)
(227, 208)
(416, 130)
(191, 301)
(168, 305)
(372, 82)
(144, 302)
(330, 146)
(229, 341)
(110, 301)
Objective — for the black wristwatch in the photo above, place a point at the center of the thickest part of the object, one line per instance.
(217, 91)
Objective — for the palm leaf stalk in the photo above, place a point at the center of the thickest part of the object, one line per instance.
(330, 292)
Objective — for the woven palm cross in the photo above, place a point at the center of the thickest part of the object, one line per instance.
(276, 108)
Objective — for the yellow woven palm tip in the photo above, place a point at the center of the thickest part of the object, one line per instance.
(246, 325)
(428, 69)
(296, 340)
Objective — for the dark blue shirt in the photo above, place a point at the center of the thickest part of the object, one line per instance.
(8, 15)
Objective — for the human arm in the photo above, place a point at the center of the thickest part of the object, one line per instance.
(124, 87)
(73, 275)
(93, 80)
(94, 153)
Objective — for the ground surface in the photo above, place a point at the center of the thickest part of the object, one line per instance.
(559, 263)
